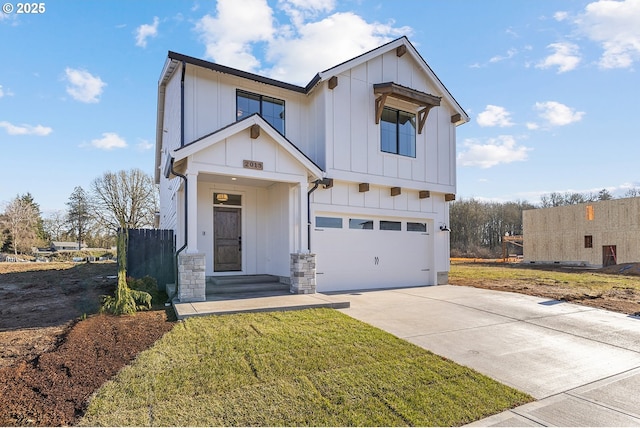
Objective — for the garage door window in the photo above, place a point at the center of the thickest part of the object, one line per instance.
(358, 223)
(390, 225)
(329, 222)
(416, 227)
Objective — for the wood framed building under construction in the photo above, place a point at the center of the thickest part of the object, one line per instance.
(594, 234)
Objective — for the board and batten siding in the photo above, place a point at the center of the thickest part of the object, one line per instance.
(170, 141)
(353, 137)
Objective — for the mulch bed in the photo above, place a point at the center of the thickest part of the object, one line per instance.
(53, 389)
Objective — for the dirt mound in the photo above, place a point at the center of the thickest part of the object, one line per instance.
(53, 388)
(622, 269)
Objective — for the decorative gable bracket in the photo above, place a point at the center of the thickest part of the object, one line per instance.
(413, 96)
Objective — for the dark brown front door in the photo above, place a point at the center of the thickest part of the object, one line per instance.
(227, 236)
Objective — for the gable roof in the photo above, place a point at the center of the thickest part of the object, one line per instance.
(174, 59)
(395, 44)
(241, 125)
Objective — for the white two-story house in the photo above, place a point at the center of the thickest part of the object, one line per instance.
(351, 173)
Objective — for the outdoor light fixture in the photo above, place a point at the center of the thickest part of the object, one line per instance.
(444, 228)
(222, 197)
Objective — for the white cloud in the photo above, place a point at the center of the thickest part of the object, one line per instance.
(560, 16)
(83, 86)
(494, 116)
(144, 145)
(228, 37)
(145, 31)
(532, 126)
(558, 114)
(312, 41)
(614, 25)
(566, 57)
(510, 54)
(500, 150)
(24, 129)
(109, 141)
(316, 46)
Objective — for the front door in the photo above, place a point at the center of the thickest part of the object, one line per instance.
(609, 256)
(227, 235)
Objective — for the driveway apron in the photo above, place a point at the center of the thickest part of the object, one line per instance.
(582, 364)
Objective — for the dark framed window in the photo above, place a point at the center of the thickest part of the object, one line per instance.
(329, 222)
(416, 227)
(271, 109)
(358, 223)
(588, 241)
(398, 132)
(390, 225)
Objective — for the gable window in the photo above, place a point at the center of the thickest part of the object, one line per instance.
(398, 132)
(271, 109)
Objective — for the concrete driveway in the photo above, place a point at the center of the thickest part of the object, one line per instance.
(581, 364)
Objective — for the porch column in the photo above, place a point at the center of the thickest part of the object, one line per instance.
(192, 215)
(191, 263)
(303, 199)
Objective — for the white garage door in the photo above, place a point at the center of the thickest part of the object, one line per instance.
(361, 253)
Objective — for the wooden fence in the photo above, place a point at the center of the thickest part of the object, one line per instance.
(151, 252)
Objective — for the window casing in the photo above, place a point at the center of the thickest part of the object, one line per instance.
(398, 132)
(271, 109)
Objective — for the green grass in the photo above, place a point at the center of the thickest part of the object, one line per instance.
(315, 367)
(593, 282)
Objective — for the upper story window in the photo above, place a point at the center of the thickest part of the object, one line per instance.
(271, 109)
(398, 132)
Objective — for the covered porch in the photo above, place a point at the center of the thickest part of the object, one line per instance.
(242, 205)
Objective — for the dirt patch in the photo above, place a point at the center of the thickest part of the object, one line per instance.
(53, 353)
(618, 299)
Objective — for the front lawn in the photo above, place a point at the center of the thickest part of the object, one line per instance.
(316, 367)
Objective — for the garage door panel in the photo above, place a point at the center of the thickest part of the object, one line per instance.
(350, 259)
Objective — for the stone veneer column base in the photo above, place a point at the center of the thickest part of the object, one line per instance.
(303, 273)
(191, 278)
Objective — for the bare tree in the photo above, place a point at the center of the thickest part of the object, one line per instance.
(78, 214)
(21, 219)
(125, 199)
(56, 226)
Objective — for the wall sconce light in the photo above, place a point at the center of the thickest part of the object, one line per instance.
(444, 228)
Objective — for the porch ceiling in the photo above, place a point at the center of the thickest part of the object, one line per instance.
(233, 181)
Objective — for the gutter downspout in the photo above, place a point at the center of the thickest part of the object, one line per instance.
(186, 222)
(184, 69)
(313, 189)
(326, 182)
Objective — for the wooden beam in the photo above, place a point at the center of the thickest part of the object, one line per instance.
(449, 197)
(401, 50)
(395, 191)
(423, 194)
(363, 187)
(255, 131)
(380, 106)
(422, 118)
(406, 94)
(333, 82)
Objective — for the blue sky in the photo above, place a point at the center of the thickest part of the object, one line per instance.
(551, 86)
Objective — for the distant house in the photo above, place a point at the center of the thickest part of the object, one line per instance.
(352, 173)
(65, 246)
(593, 234)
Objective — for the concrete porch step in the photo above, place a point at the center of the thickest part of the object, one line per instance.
(244, 284)
(241, 279)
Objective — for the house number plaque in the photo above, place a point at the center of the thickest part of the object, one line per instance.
(249, 164)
